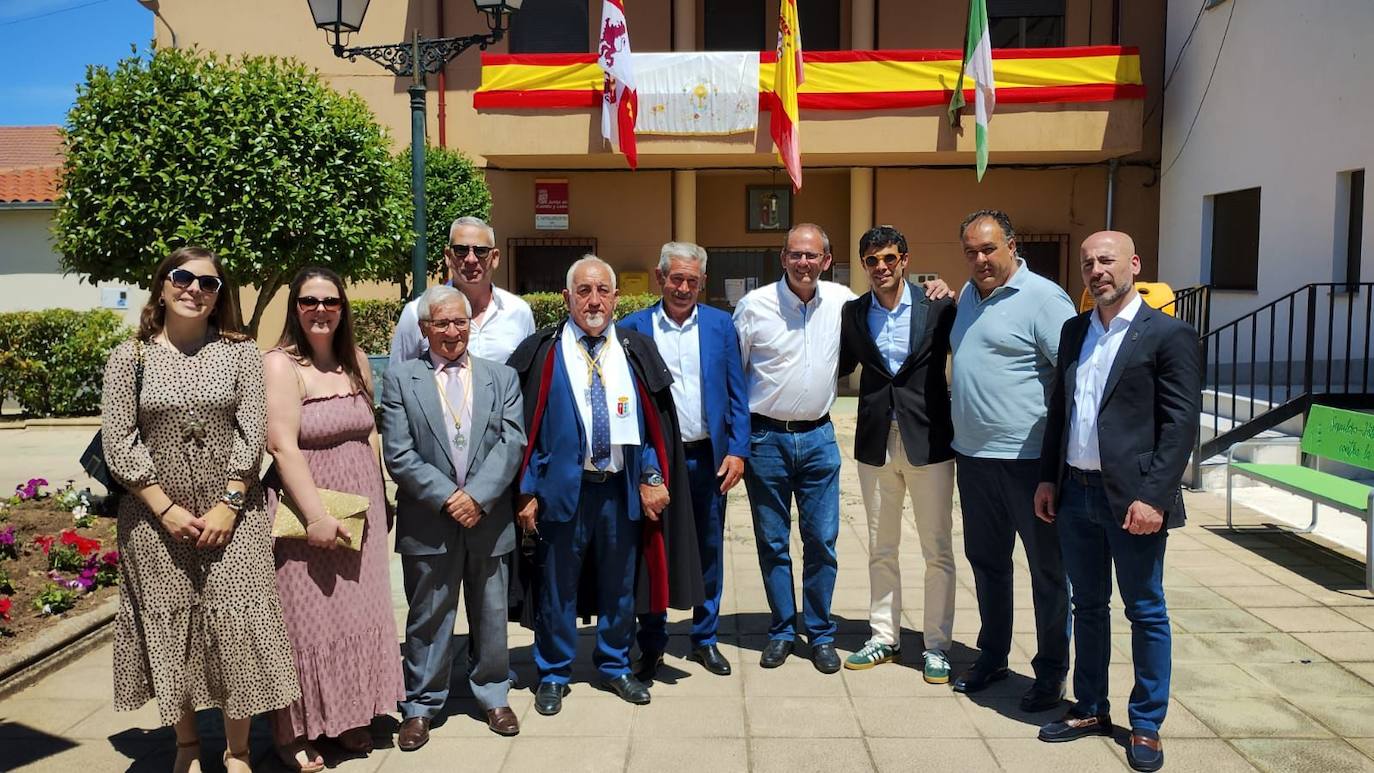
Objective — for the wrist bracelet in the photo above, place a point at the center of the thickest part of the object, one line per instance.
(166, 509)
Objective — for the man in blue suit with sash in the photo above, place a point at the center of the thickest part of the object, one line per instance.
(595, 483)
(700, 348)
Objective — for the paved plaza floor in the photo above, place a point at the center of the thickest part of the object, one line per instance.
(1273, 670)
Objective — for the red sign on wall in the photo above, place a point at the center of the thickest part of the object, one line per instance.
(551, 205)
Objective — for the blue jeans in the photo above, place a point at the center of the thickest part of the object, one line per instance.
(1093, 543)
(602, 527)
(708, 505)
(807, 465)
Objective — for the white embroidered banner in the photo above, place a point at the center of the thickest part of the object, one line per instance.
(697, 92)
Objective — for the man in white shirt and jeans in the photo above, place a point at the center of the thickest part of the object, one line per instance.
(500, 320)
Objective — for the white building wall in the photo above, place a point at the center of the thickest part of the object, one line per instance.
(1289, 108)
(31, 277)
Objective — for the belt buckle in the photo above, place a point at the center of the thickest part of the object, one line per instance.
(787, 426)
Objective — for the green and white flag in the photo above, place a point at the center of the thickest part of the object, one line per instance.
(977, 65)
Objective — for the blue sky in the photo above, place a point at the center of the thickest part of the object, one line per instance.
(45, 46)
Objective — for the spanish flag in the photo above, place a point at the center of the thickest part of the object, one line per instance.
(785, 124)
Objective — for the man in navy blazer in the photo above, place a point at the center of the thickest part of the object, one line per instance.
(699, 346)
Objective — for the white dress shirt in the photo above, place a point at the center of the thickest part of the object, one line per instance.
(622, 403)
(1100, 346)
(680, 348)
(507, 322)
(790, 349)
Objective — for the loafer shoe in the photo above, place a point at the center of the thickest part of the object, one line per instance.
(647, 667)
(710, 658)
(825, 658)
(502, 721)
(1071, 727)
(630, 689)
(1145, 751)
(775, 653)
(976, 679)
(1042, 697)
(548, 699)
(414, 733)
(871, 654)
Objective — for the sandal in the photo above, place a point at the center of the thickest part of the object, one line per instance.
(193, 766)
(358, 740)
(243, 758)
(290, 755)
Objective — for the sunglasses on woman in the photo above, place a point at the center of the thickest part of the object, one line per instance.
(308, 302)
(182, 279)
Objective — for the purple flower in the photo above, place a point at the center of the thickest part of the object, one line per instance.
(7, 537)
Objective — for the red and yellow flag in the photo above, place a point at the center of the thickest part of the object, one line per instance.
(785, 124)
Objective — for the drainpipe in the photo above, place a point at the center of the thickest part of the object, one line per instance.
(443, 85)
(1111, 191)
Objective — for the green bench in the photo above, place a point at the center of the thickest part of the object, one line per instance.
(1332, 434)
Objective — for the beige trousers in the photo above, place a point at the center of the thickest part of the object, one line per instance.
(885, 490)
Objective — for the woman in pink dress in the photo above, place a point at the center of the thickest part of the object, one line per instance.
(337, 601)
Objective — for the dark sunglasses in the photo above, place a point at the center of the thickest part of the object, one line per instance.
(888, 260)
(461, 250)
(182, 279)
(308, 302)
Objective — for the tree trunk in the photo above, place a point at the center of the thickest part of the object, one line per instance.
(266, 291)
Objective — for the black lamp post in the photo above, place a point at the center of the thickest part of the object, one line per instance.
(340, 18)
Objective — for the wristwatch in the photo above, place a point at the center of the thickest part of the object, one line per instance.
(234, 499)
(652, 478)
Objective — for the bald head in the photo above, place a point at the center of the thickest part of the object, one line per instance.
(1110, 266)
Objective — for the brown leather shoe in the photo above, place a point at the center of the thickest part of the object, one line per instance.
(414, 734)
(502, 721)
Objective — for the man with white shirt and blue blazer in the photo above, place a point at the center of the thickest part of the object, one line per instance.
(698, 344)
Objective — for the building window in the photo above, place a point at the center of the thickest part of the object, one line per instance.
(1026, 23)
(550, 27)
(731, 25)
(1350, 234)
(820, 25)
(1045, 254)
(1235, 240)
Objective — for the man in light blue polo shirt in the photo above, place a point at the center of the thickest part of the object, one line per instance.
(1006, 344)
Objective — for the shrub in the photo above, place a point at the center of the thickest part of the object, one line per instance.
(374, 322)
(55, 600)
(52, 362)
(549, 309)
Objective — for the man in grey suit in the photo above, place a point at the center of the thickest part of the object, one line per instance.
(453, 432)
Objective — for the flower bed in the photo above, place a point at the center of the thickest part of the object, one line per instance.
(57, 559)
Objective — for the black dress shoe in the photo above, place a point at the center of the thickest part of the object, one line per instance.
(1042, 697)
(825, 658)
(1145, 752)
(630, 689)
(976, 679)
(775, 652)
(710, 657)
(1071, 727)
(647, 667)
(548, 699)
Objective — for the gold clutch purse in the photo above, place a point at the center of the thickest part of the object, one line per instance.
(349, 509)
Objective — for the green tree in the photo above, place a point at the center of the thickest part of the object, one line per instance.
(253, 157)
(454, 188)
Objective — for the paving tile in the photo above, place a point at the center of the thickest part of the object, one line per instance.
(1216, 679)
(803, 755)
(1306, 619)
(932, 755)
(1363, 614)
(1003, 717)
(913, 718)
(800, 718)
(1365, 745)
(105, 721)
(1346, 716)
(443, 753)
(1248, 596)
(691, 717)
(582, 754)
(1293, 756)
(896, 680)
(1341, 647)
(1210, 754)
(796, 677)
(1363, 670)
(1254, 717)
(1259, 647)
(1089, 755)
(1199, 598)
(1313, 679)
(56, 755)
(721, 755)
(1179, 721)
(1187, 648)
(585, 713)
(27, 716)
(1217, 621)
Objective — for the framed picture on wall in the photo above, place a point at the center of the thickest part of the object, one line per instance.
(767, 208)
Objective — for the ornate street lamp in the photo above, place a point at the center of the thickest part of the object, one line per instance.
(341, 18)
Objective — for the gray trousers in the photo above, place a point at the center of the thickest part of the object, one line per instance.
(432, 584)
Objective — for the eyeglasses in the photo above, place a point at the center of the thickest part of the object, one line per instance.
(182, 279)
(460, 251)
(445, 324)
(309, 302)
(797, 255)
(889, 260)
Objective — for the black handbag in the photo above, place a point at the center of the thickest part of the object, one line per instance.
(93, 458)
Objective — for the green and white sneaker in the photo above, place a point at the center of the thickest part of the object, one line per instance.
(936, 669)
(871, 654)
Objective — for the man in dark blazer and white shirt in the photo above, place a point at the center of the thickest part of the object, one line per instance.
(1123, 415)
(453, 437)
(902, 444)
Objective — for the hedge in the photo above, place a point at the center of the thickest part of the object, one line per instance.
(374, 322)
(52, 362)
